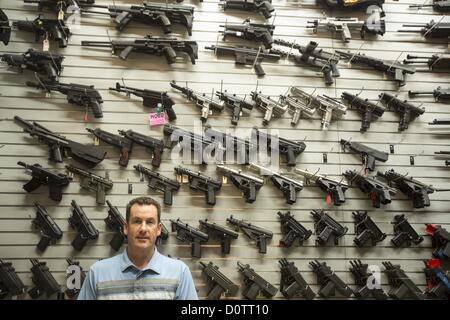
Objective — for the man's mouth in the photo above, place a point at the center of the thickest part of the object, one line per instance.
(143, 238)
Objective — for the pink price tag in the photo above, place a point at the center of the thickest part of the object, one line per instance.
(155, 120)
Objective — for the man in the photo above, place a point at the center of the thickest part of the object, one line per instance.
(140, 272)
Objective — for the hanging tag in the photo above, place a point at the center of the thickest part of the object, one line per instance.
(45, 45)
(328, 199)
(224, 180)
(96, 141)
(156, 119)
(86, 117)
(61, 15)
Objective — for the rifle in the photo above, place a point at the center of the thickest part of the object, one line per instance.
(329, 281)
(40, 176)
(369, 111)
(327, 229)
(156, 181)
(292, 283)
(415, 190)
(222, 233)
(438, 280)
(77, 94)
(352, 4)
(263, 7)
(270, 107)
(219, 283)
(260, 235)
(343, 25)
(440, 94)
(60, 146)
(10, 283)
(292, 230)
(438, 5)
(116, 222)
(368, 154)
(436, 62)
(250, 31)
(287, 186)
(72, 293)
(91, 181)
(254, 284)
(334, 189)
(367, 232)
(156, 146)
(366, 282)
(406, 110)
(393, 69)
(235, 103)
(440, 240)
(248, 184)
(5, 28)
(83, 226)
(59, 5)
(310, 55)
(201, 100)
(404, 233)
(431, 29)
(124, 144)
(43, 280)
(50, 231)
(150, 98)
(403, 287)
(149, 13)
(287, 148)
(167, 47)
(187, 233)
(200, 182)
(45, 29)
(44, 63)
(246, 56)
(440, 121)
(377, 191)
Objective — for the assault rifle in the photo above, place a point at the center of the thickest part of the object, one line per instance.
(150, 98)
(156, 181)
(250, 31)
(222, 233)
(260, 235)
(156, 146)
(187, 233)
(246, 56)
(287, 186)
(124, 144)
(200, 182)
(415, 190)
(254, 283)
(377, 191)
(263, 7)
(334, 189)
(83, 226)
(219, 283)
(368, 154)
(40, 176)
(77, 94)
(406, 110)
(60, 146)
(327, 229)
(50, 231)
(167, 47)
(440, 94)
(44, 63)
(91, 181)
(115, 222)
(45, 29)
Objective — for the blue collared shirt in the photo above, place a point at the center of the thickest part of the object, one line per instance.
(118, 278)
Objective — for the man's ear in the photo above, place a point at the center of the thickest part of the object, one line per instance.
(125, 229)
(159, 228)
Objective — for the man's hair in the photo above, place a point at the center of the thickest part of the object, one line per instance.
(143, 201)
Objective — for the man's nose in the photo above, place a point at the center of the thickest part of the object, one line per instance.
(143, 227)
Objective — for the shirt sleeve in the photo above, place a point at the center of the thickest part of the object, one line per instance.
(88, 289)
(186, 290)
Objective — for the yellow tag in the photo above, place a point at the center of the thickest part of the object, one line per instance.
(47, 94)
(61, 15)
(224, 180)
(96, 141)
(45, 45)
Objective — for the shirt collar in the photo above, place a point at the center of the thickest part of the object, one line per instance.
(153, 264)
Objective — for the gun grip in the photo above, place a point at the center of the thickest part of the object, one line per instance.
(122, 20)
(101, 195)
(262, 244)
(225, 245)
(291, 196)
(124, 157)
(170, 113)
(210, 196)
(290, 157)
(79, 242)
(170, 54)
(168, 198)
(96, 109)
(165, 23)
(55, 192)
(259, 69)
(156, 161)
(126, 52)
(44, 243)
(117, 240)
(196, 249)
(31, 185)
(250, 197)
(369, 162)
(55, 153)
(267, 40)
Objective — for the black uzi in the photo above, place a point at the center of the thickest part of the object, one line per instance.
(50, 231)
(83, 226)
(222, 233)
(115, 222)
(185, 232)
(260, 235)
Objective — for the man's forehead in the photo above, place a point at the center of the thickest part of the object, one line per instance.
(144, 210)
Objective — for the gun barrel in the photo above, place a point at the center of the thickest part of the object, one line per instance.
(103, 44)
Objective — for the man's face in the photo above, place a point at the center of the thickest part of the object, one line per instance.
(143, 227)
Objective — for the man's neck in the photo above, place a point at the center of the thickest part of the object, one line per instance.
(140, 258)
